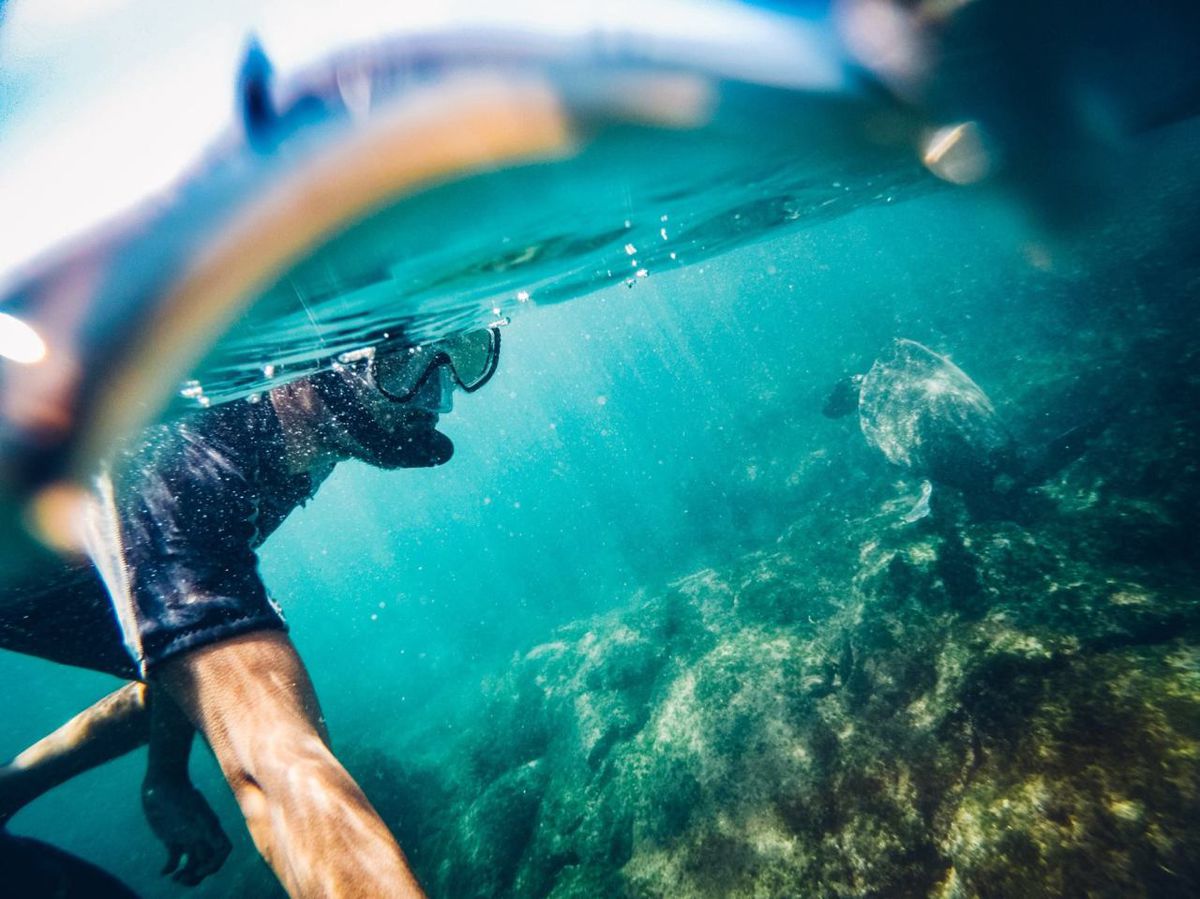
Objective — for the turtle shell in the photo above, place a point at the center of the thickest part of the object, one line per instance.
(924, 413)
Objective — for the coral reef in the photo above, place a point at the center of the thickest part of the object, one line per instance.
(983, 703)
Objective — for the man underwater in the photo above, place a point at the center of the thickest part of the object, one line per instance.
(173, 538)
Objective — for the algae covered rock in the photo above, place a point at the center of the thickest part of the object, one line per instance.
(983, 711)
(995, 702)
(1097, 794)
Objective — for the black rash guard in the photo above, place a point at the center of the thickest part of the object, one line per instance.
(174, 537)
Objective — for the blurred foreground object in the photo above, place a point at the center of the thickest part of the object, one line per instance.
(1048, 100)
(1052, 98)
(95, 335)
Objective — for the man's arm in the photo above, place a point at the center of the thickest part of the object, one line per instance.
(117, 724)
(175, 810)
(252, 699)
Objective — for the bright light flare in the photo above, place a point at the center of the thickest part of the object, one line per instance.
(958, 154)
(19, 342)
(56, 514)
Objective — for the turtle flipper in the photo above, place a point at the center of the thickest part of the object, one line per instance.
(921, 508)
(1054, 455)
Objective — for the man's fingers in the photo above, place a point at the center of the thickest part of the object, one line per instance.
(188, 874)
(203, 859)
(182, 819)
(174, 854)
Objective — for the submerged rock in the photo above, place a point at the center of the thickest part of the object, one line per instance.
(977, 713)
(958, 706)
(1096, 793)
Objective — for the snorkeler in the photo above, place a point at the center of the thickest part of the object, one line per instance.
(173, 538)
(925, 414)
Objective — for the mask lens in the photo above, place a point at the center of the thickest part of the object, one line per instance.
(472, 359)
(399, 374)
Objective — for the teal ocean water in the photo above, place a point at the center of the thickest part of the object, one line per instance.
(661, 628)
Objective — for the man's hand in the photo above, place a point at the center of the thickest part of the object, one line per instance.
(182, 819)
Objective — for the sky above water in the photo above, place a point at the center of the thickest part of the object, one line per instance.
(105, 101)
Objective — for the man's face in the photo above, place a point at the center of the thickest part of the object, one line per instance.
(421, 412)
(390, 434)
(386, 410)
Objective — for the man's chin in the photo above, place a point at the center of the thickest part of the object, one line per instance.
(411, 449)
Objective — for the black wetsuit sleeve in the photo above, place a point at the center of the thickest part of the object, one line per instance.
(187, 508)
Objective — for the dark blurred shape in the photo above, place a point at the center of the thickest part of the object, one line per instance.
(843, 397)
(32, 869)
(254, 94)
(1055, 101)
(1062, 91)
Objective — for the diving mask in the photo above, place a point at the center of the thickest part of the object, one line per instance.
(471, 359)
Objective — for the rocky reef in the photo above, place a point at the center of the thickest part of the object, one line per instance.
(977, 704)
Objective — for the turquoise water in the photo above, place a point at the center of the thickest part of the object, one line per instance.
(632, 203)
(667, 426)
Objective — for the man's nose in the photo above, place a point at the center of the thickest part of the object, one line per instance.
(446, 389)
(437, 393)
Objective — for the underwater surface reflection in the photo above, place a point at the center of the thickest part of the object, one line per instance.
(661, 628)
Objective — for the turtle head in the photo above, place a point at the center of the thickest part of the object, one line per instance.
(843, 398)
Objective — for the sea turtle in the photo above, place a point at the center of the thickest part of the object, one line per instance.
(925, 414)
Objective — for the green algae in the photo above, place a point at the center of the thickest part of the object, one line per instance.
(969, 706)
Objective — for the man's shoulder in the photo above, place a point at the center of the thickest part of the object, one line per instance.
(243, 422)
(220, 451)
(237, 429)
